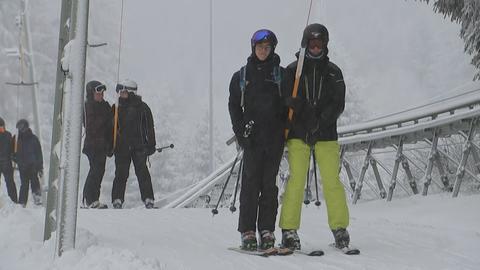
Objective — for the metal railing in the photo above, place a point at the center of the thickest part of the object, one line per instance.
(455, 116)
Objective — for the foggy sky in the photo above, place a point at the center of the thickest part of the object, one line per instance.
(395, 51)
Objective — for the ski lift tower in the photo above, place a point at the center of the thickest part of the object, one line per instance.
(25, 54)
(61, 212)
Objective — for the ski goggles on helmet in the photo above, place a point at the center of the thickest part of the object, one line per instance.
(100, 88)
(121, 88)
(264, 35)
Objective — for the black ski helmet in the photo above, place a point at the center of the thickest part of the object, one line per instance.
(261, 36)
(314, 31)
(22, 125)
(2, 122)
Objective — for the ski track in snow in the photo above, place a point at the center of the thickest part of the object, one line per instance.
(433, 232)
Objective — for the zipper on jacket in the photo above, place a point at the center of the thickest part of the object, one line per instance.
(320, 88)
(314, 79)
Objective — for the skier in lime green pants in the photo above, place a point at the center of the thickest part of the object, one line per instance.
(327, 157)
(319, 103)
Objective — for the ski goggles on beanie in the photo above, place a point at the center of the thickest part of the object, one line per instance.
(100, 88)
(264, 35)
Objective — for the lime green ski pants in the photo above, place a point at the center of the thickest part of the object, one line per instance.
(328, 159)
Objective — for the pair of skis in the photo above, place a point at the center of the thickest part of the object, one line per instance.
(274, 251)
(279, 251)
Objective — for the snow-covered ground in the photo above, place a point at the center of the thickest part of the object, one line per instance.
(433, 232)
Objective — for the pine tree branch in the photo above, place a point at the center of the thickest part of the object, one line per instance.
(467, 14)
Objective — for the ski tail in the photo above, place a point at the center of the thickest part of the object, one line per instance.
(346, 250)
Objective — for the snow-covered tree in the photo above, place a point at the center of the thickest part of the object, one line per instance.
(196, 153)
(467, 14)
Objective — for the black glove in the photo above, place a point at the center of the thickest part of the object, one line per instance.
(150, 150)
(39, 167)
(310, 118)
(325, 120)
(295, 103)
(245, 143)
(109, 149)
(289, 124)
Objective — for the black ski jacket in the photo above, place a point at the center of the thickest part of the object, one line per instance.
(6, 148)
(29, 151)
(98, 127)
(322, 95)
(263, 103)
(135, 127)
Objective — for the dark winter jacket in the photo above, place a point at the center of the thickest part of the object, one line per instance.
(322, 95)
(6, 147)
(98, 127)
(135, 127)
(29, 151)
(263, 103)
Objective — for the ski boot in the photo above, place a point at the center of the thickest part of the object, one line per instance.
(149, 203)
(249, 241)
(117, 204)
(291, 240)
(267, 240)
(97, 205)
(342, 238)
(37, 199)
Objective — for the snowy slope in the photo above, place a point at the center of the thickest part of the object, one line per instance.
(434, 232)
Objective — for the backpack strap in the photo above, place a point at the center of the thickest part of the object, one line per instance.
(243, 85)
(277, 77)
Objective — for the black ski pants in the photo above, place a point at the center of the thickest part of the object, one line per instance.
(91, 189)
(28, 176)
(122, 168)
(6, 170)
(258, 194)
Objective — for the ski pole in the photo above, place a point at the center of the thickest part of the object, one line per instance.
(165, 147)
(298, 72)
(317, 203)
(231, 140)
(306, 200)
(215, 210)
(240, 172)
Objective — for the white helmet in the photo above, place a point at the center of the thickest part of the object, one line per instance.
(129, 85)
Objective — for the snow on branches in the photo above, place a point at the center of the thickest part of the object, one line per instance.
(467, 14)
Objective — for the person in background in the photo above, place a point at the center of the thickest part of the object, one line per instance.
(135, 141)
(6, 168)
(98, 122)
(29, 158)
